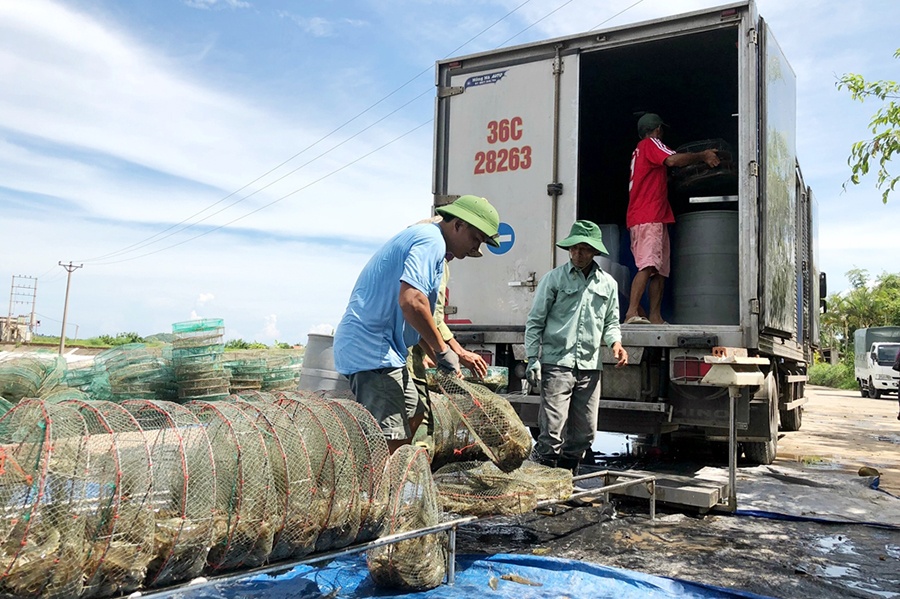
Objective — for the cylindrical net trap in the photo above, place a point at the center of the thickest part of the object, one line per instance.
(482, 489)
(421, 562)
(370, 456)
(44, 495)
(295, 533)
(450, 439)
(184, 490)
(247, 512)
(119, 525)
(332, 462)
(497, 428)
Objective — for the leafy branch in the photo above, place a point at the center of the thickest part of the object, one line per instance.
(885, 129)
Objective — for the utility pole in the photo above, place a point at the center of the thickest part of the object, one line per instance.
(22, 291)
(62, 335)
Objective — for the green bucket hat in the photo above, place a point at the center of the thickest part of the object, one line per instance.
(584, 231)
(476, 211)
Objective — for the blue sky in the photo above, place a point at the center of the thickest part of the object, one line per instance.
(121, 123)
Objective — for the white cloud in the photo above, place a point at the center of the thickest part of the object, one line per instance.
(320, 26)
(207, 4)
(131, 113)
(110, 133)
(270, 330)
(322, 329)
(205, 298)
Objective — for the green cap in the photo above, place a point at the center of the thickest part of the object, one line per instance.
(476, 211)
(649, 122)
(584, 231)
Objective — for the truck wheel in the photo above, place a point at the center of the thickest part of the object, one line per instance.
(863, 392)
(873, 392)
(791, 419)
(763, 452)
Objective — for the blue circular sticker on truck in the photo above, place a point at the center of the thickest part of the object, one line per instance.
(506, 236)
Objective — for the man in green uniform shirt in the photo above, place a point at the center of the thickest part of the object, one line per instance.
(575, 311)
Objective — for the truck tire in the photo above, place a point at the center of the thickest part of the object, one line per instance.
(791, 419)
(863, 392)
(873, 392)
(763, 452)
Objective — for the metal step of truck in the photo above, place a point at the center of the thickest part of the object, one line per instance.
(675, 490)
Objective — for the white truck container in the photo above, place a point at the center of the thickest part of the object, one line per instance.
(875, 350)
(546, 131)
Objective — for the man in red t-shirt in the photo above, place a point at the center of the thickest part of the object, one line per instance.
(649, 214)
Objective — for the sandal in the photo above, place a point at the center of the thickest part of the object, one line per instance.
(637, 320)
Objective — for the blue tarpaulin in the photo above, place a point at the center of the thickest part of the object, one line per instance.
(475, 577)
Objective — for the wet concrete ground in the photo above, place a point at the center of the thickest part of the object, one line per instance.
(777, 558)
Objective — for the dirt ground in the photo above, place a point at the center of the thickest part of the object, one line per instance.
(841, 432)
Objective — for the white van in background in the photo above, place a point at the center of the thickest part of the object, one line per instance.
(875, 352)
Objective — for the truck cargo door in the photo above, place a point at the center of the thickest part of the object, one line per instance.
(495, 138)
(778, 191)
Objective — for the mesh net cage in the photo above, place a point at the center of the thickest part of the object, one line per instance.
(44, 494)
(247, 512)
(497, 428)
(54, 375)
(22, 377)
(370, 456)
(134, 371)
(549, 483)
(419, 563)
(197, 358)
(247, 370)
(5, 406)
(254, 395)
(296, 533)
(119, 527)
(482, 489)
(699, 178)
(80, 375)
(449, 439)
(183, 489)
(64, 394)
(337, 495)
(282, 370)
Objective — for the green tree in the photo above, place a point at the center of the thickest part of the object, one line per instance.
(863, 305)
(237, 344)
(884, 126)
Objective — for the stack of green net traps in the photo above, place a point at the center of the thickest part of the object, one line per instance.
(142, 470)
(197, 357)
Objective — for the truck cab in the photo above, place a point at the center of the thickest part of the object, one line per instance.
(878, 376)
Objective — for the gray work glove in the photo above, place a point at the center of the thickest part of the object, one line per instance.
(448, 361)
(533, 372)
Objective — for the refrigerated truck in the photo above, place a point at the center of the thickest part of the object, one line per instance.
(546, 130)
(875, 349)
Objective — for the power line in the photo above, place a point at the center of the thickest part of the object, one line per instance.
(627, 8)
(284, 197)
(149, 240)
(538, 21)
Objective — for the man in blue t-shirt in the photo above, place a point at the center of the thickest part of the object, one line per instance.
(391, 308)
